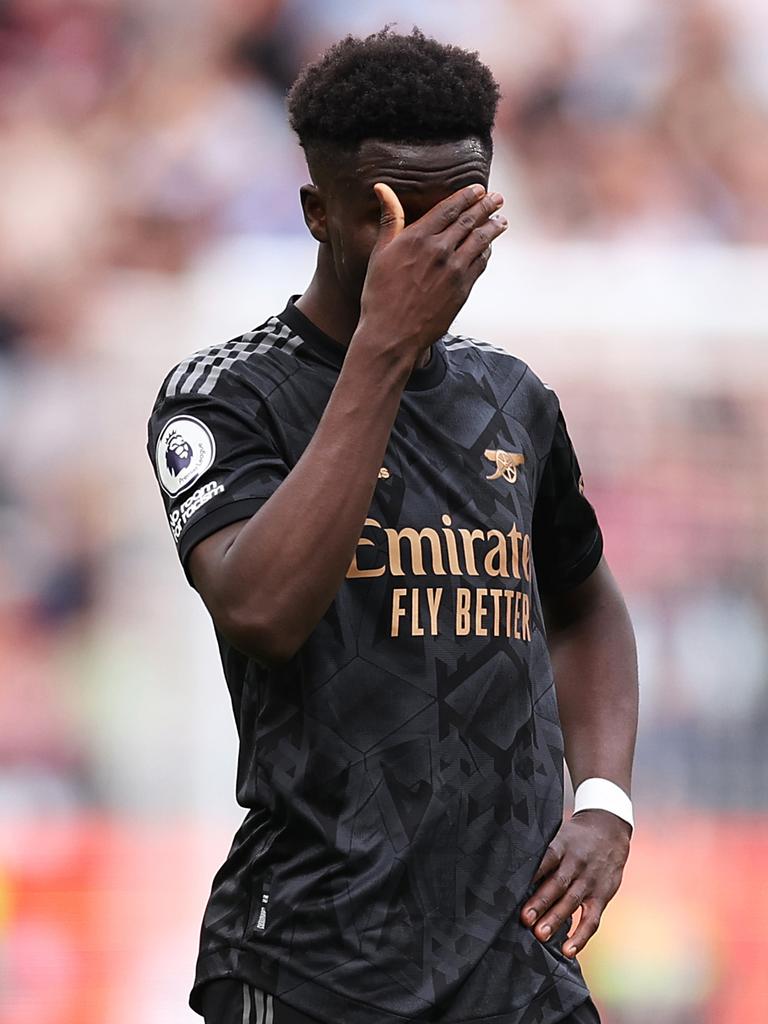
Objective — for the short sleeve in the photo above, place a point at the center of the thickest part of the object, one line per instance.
(217, 461)
(567, 541)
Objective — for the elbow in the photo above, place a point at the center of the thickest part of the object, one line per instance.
(264, 637)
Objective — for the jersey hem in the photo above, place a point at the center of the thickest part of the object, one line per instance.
(232, 962)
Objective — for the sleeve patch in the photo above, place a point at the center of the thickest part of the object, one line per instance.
(179, 517)
(185, 450)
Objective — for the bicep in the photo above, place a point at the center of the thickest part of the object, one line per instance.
(226, 591)
(206, 562)
(564, 607)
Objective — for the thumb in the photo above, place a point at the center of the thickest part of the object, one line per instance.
(392, 219)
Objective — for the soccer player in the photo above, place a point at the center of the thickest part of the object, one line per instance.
(388, 527)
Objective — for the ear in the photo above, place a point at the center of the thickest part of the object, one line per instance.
(313, 205)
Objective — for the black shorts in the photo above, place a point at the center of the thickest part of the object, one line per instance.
(230, 1001)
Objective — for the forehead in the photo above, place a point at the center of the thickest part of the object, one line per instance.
(418, 169)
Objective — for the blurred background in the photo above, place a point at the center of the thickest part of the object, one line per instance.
(148, 207)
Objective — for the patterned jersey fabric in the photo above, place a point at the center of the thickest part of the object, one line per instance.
(403, 773)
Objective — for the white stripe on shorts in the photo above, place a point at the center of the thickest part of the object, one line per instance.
(262, 1003)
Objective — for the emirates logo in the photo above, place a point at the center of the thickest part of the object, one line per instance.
(507, 464)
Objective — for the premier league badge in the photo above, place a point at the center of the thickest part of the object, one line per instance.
(185, 450)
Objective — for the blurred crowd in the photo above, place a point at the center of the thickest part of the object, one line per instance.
(139, 136)
(135, 131)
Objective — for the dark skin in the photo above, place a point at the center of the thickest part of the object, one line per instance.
(408, 228)
(343, 214)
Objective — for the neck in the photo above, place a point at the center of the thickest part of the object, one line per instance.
(329, 308)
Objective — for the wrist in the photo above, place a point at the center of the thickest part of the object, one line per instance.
(603, 795)
(381, 352)
(388, 344)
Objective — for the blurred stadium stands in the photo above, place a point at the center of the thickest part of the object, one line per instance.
(148, 207)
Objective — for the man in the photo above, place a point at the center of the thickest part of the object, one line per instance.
(380, 518)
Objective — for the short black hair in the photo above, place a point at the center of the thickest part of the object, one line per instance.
(398, 88)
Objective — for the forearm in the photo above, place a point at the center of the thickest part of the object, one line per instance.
(268, 583)
(594, 657)
(283, 568)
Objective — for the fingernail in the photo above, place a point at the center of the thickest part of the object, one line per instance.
(530, 916)
(571, 951)
(498, 198)
(546, 931)
(479, 190)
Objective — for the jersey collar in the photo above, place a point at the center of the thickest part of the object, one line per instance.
(329, 351)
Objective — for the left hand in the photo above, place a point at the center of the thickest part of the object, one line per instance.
(582, 867)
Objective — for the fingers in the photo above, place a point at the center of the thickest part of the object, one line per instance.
(478, 239)
(557, 872)
(548, 894)
(558, 899)
(479, 263)
(550, 860)
(392, 219)
(472, 218)
(564, 908)
(445, 213)
(481, 237)
(588, 925)
(466, 222)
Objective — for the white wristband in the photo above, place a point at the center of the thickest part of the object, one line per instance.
(603, 795)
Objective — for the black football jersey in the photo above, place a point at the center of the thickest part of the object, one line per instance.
(403, 772)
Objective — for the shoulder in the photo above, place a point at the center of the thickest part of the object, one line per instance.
(225, 388)
(513, 380)
(260, 357)
(474, 348)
